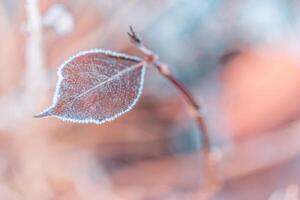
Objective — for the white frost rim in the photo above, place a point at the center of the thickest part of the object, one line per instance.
(91, 119)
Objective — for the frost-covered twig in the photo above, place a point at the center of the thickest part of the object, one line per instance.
(163, 69)
(18, 104)
(152, 59)
(34, 58)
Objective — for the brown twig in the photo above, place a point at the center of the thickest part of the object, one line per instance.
(212, 180)
(152, 59)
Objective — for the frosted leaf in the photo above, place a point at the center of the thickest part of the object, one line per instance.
(96, 86)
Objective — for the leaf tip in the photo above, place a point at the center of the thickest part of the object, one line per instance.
(43, 114)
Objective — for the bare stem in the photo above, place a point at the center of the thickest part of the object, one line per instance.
(211, 183)
(152, 59)
(34, 57)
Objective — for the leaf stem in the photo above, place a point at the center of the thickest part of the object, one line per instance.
(152, 59)
(194, 107)
(211, 182)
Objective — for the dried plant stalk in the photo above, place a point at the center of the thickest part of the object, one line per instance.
(34, 58)
(212, 180)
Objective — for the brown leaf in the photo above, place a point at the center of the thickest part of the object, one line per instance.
(96, 86)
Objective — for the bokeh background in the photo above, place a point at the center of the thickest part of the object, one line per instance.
(241, 60)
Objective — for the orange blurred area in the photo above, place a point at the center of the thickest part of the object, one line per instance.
(261, 89)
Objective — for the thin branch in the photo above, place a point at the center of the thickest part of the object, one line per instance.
(34, 58)
(17, 104)
(211, 183)
(152, 59)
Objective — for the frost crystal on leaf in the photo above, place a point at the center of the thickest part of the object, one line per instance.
(96, 86)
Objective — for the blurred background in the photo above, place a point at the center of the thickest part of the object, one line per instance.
(241, 60)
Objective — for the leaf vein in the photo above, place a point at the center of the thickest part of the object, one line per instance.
(120, 73)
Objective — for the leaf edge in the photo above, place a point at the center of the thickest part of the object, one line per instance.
(47, 112)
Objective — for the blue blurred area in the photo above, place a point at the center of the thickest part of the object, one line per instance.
(192, 36)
